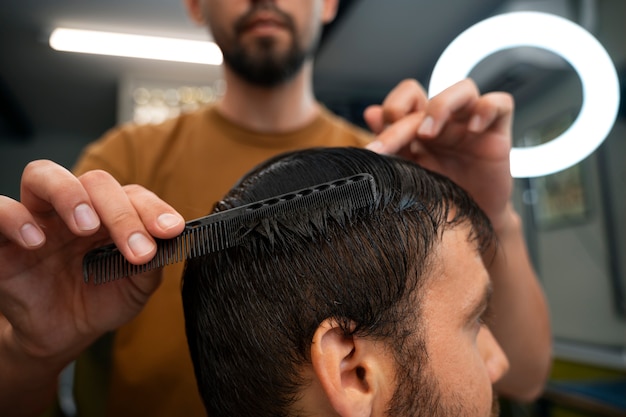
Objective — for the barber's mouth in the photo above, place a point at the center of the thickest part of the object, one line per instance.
(264, 25)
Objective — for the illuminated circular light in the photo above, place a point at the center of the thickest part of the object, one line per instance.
(600, 84)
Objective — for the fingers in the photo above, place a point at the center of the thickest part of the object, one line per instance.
(373, 116)
(48, 188)
(406, 98)
(448, 116)
(18, 225)
(418, 118)
(463, 104)
(131, 218)
(159, 218)
(131, 214)
(492, 111)
(455, 102)
(398, 135)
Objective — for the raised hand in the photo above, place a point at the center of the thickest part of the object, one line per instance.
(459, 133)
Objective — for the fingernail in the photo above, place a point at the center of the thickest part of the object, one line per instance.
(475, 124)
(139, 244)
(86, 218)
(168, 220)
(31, 235)
(375, 146)
(426, 128)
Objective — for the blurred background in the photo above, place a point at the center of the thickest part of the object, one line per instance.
(53, 103)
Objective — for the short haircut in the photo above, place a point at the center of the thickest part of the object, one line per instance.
(251, 311)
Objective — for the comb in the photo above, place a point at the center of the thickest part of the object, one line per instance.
(225, 229)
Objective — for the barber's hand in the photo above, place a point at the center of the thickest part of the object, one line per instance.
(459, 133)
(46, 309)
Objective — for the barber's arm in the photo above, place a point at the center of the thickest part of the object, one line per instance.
(48, 315)
(467, 137)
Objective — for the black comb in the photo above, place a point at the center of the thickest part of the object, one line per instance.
(222, 230)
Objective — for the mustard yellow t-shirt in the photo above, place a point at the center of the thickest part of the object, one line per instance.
(190, 162)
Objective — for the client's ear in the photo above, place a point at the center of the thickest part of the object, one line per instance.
(355, 373)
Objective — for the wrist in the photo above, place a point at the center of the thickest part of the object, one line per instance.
(28, 384)
(508, 223)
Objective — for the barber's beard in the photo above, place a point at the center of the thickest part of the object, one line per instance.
(419, 395)
(261, 63)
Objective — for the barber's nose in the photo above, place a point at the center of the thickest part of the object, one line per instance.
(495, 360)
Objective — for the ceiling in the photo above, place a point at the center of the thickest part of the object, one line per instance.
(372, 46)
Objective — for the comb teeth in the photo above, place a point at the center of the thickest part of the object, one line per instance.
(222, 230)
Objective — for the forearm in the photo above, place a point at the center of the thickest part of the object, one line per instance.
(521, 318)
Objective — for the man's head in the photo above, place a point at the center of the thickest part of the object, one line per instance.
(264, 42)
(351, 312)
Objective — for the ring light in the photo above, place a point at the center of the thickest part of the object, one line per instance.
(600, 84)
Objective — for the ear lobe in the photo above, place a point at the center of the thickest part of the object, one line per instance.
(348, 369)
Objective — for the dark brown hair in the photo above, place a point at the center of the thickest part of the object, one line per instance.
(251, 311)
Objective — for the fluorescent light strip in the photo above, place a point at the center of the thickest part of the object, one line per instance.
(135, 46)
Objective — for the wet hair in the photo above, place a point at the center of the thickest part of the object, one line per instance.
(251, 311)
